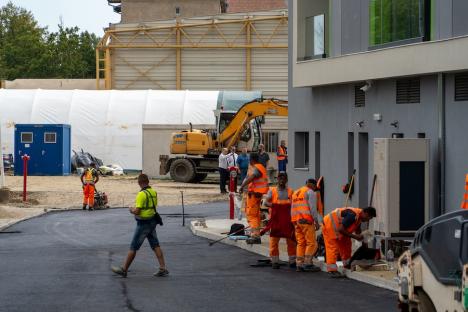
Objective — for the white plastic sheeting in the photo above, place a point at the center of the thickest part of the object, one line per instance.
(108, 124)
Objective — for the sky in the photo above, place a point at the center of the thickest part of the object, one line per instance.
(90, 15)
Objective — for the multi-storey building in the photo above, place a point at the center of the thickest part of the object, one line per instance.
(366, 69)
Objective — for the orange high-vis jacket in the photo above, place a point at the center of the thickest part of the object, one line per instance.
(276, 200)
(281, 153)
(300, 206)
(464, 204)
(259, 184)
(333, 221)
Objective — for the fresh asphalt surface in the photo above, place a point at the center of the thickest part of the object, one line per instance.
(61, 262)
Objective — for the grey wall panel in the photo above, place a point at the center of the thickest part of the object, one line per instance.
(351, 26)
(460, 17)
(457, 147)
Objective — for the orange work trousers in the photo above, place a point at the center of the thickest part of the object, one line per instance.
(252, 212)
(336, 247)
(274, 249)
(88, 195)
(306, 243)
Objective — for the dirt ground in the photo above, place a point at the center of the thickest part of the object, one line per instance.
(66, 193)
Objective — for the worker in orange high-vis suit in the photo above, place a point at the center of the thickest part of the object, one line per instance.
(282, 156)
(306, 221)
(89, 178)
(280, 226)
(464, 204)
(339, 227)
(257, 186)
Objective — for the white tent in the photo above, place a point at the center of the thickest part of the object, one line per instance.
(108, 124)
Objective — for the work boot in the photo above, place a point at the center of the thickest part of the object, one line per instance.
(253, 240)
(311, 268)
(90, 208)
(292, 265)
(84, 206)
(119, 271)
(275, 265)
(336, 274)
(162, 272)
(299, 268)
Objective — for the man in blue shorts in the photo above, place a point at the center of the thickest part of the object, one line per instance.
(147, 218)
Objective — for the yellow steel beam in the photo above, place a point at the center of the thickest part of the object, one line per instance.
(248, 58)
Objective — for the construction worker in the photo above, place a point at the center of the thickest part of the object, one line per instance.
(464, 204)
(257, 182)
(339, 227)
(279, 200)
(306, 221)
(282, 156)
(147, 218)
(89, 178)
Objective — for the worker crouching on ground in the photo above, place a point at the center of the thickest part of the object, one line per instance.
(89, 178)
(279, 200)
(257, 182)
(339, 227)
(305, 218)
(147, 218)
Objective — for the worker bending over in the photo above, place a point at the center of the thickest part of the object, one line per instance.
(279, 200)
(339, 227)
(306, 221)
(257, 182)
(89, 178)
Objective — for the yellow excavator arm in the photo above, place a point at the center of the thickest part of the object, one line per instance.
(249, 111)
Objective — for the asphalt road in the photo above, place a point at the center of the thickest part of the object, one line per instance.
(61, 261)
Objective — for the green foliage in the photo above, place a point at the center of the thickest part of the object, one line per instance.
(29, 51)
(393, 20)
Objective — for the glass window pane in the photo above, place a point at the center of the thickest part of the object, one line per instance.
(394, 20)
(319, 35)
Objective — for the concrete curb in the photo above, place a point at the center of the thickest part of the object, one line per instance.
(263, 250)
(16, 221)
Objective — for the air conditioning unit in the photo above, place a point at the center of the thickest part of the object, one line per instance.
(402, 186)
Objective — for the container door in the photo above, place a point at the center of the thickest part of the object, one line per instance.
(51, 153)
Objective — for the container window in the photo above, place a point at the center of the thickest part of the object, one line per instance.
(50, 137)
(26, 137)
(301, 146)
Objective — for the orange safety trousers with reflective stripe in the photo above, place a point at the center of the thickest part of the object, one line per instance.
(306, 243)
(464, 204)
(335, 243)
(252, 212)
(88, 195)
(300, 207)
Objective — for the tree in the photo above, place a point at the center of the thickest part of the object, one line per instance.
(21, 42)
(29, 51)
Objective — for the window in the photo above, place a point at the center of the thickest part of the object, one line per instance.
(461, 87)
(301, 153)
(270, 139)
(50, 137)
(396, 20)
(317, 154)
(26, 137)
(315, 36)
(359, 97)
(408, 91)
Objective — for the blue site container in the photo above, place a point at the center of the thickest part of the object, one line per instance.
(48, 145)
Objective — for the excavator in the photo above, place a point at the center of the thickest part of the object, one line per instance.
(195, 152)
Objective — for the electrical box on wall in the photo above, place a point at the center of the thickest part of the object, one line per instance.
(402, 185)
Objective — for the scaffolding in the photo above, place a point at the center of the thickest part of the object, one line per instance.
(167, 42)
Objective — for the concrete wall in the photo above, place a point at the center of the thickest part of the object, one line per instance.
(235, 6)
(135, 11)
(52, 84)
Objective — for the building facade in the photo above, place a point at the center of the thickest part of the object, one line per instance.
(366, 69)
(234, 6)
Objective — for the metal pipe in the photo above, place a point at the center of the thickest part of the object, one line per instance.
(178, 61)
(441, 140)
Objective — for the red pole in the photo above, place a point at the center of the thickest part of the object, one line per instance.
(232, 190)
(25, 174)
